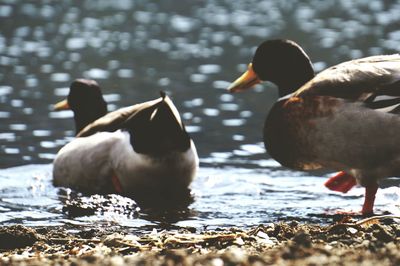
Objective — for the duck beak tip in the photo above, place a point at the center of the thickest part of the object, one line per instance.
(246, 81)
(63, 105)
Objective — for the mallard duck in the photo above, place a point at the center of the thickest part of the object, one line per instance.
(142, 151)
(344, 118)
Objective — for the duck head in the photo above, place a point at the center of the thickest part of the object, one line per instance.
(86, 101)
(282, 62)
(158, 130)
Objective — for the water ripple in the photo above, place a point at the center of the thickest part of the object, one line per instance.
(60, 77)
(96, 73)
(234, 122)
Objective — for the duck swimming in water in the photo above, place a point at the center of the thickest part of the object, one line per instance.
(142, 151)
(345, 118)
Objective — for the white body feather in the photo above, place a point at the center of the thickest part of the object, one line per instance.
(88, 164)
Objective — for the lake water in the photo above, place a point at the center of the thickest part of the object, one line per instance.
(191, 50)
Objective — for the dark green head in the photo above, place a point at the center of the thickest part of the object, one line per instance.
(282, 62)
(86, 101)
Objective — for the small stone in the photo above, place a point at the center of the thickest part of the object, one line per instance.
(352, 230)
(302, 239)
(17, 236)
(382, 234)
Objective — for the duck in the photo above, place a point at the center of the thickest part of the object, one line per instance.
(141, 151)
(345, 118)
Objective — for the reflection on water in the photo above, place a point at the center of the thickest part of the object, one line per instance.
(136, 48)
(192, 50)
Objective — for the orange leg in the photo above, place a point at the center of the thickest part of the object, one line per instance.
(369, 200)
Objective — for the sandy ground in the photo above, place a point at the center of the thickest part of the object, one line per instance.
(363, 242)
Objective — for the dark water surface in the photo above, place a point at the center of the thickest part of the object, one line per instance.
(192, 50)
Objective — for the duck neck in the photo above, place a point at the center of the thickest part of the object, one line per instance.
(85, 117)
(294, 81)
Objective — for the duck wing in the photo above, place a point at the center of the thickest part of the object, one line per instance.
(115, 120)
(365, 80)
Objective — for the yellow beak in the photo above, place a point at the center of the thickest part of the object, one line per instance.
(245, 81)
(63, 105)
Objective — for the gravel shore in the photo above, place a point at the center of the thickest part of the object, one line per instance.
(363, 242)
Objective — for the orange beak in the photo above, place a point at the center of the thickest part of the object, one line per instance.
(245, 81)
(63, 105)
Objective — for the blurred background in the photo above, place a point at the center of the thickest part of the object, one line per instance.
(190, 49)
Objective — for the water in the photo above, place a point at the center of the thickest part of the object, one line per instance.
(192, 50)
(224, 197)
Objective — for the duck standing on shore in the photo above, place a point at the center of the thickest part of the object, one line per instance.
(142, 151)
(345, 118)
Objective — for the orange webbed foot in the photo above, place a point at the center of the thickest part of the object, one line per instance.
(341, 182)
